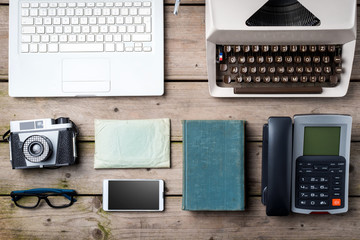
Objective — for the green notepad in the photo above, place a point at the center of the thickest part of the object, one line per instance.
(213, 165)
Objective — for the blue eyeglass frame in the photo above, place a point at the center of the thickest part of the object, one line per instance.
(43, 193)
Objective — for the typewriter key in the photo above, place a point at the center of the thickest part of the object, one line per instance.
(322, 48)
(243, 69)
(288, 59)
(276, 79)
(303, 48)
(269, 59)
(338, 70)
(308, 69)
(274, 48)
(316, 59)
(307, 59)
(262, 69)
(265, 48)
(337, 59)
(312, 48)
(299, 69)
(303, 79)
(318, 69)
(241, 59)
(239, 79)
(281, 70)
(278, 59)
(257, 79)
(237, 48)
(297, 59)
(247, 48)
(284, 79)
(290, 69)
(227, 48)
(313, 79)
(294, 78)
(255, 48)
(293, 48)
(253, 70)
(326, 59)
(331, 48)
(271, 69)
(227, 79)
(283, 48)
(327, 69)
(267, 79)
(234, 70)
(322, 79)
(260, 59)
(251, 59)
(223, 67)
(232, 59)
(247, 79)
(334, 79)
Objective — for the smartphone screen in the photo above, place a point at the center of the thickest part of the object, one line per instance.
(133, 195)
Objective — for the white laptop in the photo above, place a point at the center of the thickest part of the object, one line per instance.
(86, 48)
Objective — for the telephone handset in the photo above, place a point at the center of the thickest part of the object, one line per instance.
(306, 166)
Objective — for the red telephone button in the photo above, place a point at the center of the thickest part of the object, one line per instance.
(336, 202)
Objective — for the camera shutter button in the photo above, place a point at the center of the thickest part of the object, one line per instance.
(62, 120)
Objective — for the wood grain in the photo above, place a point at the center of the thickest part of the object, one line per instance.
(185, 51)
(182, 100)
(86, 220)
(86, 180)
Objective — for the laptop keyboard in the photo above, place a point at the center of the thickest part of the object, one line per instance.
(52, 27)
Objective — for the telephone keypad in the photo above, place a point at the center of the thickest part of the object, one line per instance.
(320, 184)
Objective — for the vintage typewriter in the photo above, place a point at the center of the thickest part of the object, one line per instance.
(280, 48)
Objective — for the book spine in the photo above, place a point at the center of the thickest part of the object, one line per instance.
(184, 195)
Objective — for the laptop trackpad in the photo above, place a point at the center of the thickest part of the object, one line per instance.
(86, 75)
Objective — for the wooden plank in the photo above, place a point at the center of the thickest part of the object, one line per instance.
(86, 220)
(185, 51)
(82, 176)
(86, 180)
(182, 100)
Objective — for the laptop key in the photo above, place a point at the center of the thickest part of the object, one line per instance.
(76, 47)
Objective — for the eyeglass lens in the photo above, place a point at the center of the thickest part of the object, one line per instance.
(54, 200)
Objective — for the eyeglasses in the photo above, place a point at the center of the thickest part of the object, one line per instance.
(55, 198)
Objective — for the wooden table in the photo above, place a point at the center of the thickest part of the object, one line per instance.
(186, 97)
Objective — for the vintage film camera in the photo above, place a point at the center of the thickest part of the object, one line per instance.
(42, 143)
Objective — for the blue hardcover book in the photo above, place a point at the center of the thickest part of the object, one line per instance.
(213, 165)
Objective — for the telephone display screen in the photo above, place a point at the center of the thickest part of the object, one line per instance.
(322, 141)
(134, 195)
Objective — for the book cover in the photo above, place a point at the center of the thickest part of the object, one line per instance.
(213, 165)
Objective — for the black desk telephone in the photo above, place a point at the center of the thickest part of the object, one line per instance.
(306, 168)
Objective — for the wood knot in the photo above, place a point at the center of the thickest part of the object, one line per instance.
(97, 202)
(116, 109)
(97, 233)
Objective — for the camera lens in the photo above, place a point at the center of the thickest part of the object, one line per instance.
(37, 148)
